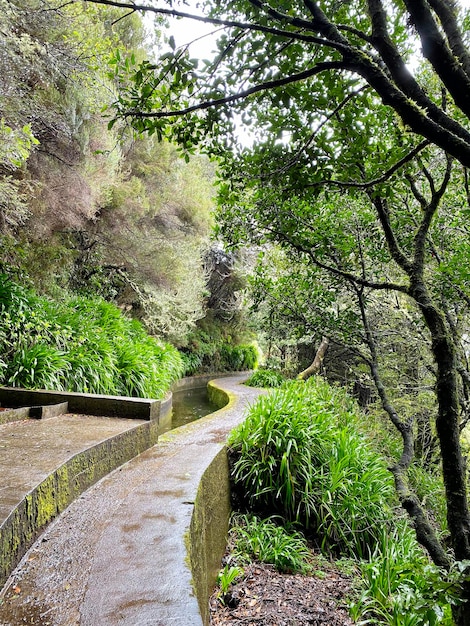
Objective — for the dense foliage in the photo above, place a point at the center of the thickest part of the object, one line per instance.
(265, 378)
(267, 541)
(82, 344)
(91, 212)
(357, 167)
(300, 454)
(357, 116)
(303, 454)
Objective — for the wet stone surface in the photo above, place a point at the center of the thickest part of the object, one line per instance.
(117, 554)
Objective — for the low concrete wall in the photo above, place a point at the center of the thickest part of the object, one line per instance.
(87, 403)
(208, 531)
(201, 380)
(14, 415)
(207, 536)
(65, 484)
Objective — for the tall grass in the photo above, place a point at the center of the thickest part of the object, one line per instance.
(268, 542)
(399, 586)
(265, 378)
(83, 345)
(301, 455)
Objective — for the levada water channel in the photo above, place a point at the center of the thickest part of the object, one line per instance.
(188, 406)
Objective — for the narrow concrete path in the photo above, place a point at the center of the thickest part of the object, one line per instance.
(117, 555)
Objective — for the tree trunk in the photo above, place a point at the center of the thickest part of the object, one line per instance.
(448, 432)
(316, 364)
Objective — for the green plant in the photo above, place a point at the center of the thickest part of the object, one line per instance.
(267, 541)
(265, 378)
(38, 366)
(300, 453)
(401, 588)
(225, 579)
(81, 344)
(192, 363)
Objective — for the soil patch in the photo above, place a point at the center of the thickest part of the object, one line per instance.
(267, 598)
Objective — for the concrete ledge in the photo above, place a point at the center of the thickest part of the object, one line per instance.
(33, 412)
(65, 484)
(14, 415)
(87, 403)
(48, 412)
(200, 380)
(207, 536)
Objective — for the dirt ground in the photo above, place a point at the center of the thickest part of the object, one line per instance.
(267, 598)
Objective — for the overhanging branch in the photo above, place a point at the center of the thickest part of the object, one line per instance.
(267, 86)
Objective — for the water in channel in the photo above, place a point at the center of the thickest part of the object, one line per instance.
(188, 406)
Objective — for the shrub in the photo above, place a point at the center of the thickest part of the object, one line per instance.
(38, 366)
(268, 542)
(300, 454)
(82, 344)
(265, 378)
(399, 586)
(206, 355)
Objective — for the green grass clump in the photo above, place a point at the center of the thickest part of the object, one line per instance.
(303, 454)
(300, 454)
(265, 378)
(82, 344)
(400, 587)
(266, 541)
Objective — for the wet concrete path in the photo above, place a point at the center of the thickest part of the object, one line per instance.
(117, 555)
(30, 450)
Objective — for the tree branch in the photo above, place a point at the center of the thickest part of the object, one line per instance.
(447, 12)
(268, 85)
(438, 53)
(376, 181)
(425, 533)
(279, 32)
(399, 257)
(429, 212)
(400, 73)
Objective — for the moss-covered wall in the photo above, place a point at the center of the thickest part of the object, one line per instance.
(207, 536)
(218, 396)
(58, 490)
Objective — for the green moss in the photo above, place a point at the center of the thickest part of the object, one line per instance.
(46, 503)
(218, 396)
(206, 539)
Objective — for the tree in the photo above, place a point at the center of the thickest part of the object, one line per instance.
(320, 84)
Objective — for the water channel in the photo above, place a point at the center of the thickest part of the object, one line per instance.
(188, 406)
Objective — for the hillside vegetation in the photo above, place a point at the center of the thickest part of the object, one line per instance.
(110, 230)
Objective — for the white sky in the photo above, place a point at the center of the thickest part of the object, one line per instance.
(185, 30)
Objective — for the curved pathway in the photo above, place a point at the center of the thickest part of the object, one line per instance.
(117, 555)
